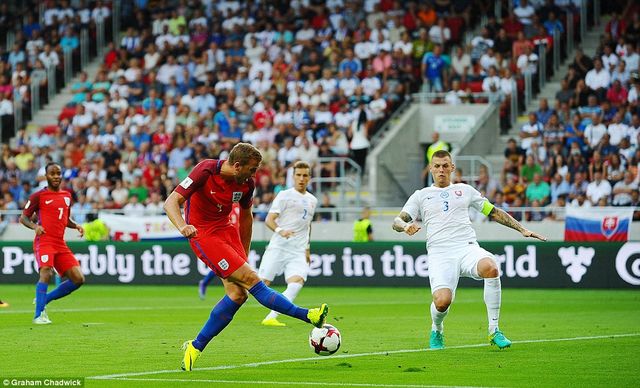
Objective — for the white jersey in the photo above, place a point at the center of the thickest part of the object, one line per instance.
(445, 213)
(295, 212)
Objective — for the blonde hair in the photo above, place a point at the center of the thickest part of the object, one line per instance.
(243, 153)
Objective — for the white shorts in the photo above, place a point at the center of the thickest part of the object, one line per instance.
(276, 261)
(446, 266)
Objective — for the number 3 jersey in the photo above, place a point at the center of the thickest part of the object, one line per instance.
(295, 212)
(445, 213)
(52, 209)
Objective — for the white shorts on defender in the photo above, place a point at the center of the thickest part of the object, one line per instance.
(276, 261)
(446, 266)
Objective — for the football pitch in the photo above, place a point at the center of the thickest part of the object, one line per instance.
(114, 336)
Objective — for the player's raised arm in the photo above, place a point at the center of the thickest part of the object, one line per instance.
(404, 223)
(172, 207)
(504, 218)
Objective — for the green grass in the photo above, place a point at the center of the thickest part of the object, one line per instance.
(102, 330)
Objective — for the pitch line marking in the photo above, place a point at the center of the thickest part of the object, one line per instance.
(199, 307)
(340, 356)
(314, 383)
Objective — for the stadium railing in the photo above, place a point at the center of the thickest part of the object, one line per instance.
(339, 213)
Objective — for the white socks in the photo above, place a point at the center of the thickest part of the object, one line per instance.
(437, 317)
(290, 293)
(492, 296)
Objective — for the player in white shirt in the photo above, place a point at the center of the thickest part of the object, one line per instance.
(288, 251)
(453, 250)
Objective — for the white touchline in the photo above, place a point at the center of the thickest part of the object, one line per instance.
(382, 353)
(199, 307)
(314, 383)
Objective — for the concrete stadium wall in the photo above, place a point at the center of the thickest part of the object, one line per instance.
(395, 165)
(343, 231)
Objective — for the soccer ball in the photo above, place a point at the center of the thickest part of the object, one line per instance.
(325, 340)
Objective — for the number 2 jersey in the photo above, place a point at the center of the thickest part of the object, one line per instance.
(210, 198)
(295, 212)
(52, 209)
(445, 213)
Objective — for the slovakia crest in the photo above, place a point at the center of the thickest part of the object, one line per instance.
(458, 193)
(67, 201)
(237, 195)
(609, 226)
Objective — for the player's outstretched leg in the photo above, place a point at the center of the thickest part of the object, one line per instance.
(247, 278)
(202, 284)
(64, 289)
(274, 300)
(293, 288)
(75, 279)
(4, 304)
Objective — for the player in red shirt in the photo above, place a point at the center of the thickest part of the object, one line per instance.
(204, 283)
(209, 193)
(48, 213)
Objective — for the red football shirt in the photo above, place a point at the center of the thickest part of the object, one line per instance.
(210, 198)
(52, 208)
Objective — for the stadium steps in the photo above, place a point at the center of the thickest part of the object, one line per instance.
(589, 45)
(48, 115)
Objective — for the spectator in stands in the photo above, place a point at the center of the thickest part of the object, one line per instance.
(480, 44)
(598, 188)
(595, 131)
(433, 66)
(531, 131)
(616, 26)
(582, 64)
(544, 113)
(487, 184)
(581, 201)
(530, 168)
(623, 75)
(527, 62)
(460, 65)
(598, 79)
(615, 169)
(565, 94)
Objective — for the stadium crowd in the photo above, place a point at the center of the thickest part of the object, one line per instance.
(581, 149)
(187, 80)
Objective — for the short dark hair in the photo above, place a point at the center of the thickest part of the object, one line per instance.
(441, 154)
(46, 167)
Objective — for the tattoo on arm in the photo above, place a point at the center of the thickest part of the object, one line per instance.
(504, 218)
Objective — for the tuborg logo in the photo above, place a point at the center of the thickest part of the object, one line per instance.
(576, 263)
(609, 226)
